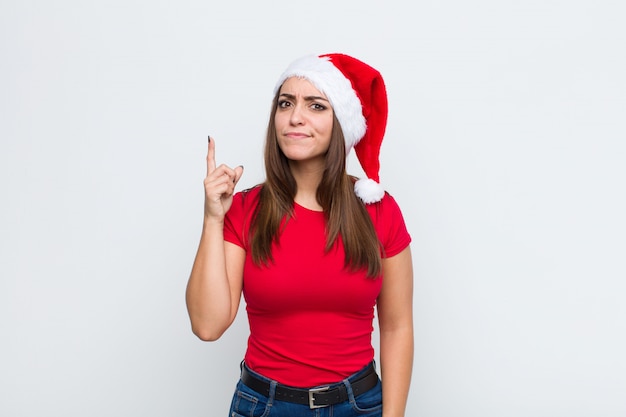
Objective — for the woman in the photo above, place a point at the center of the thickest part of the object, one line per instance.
(313, 250)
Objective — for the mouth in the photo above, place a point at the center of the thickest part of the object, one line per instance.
(296, 135)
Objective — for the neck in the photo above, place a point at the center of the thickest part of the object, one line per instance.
(308, 177)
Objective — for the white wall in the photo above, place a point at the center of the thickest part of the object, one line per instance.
(505, 149)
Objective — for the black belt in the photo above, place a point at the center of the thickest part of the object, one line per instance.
(315, 397)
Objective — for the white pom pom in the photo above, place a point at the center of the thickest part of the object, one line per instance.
(369, 190)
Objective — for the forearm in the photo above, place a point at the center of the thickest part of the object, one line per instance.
(396, 362)
(209, 300)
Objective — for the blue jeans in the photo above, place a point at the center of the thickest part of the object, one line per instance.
(249, 403)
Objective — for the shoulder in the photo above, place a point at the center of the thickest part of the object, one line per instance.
(249, 196)
(239, 215)
(387, 206)
(244, 204)
(389, 225)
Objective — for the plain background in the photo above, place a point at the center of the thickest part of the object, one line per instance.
(505, 149)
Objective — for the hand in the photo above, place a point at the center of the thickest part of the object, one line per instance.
(219, 186)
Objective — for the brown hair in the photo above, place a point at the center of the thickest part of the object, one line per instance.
(345, 213)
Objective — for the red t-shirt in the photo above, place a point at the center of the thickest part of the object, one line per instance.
(310, 318)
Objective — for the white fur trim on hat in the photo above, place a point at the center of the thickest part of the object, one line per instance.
(369, 190)
(337, 88)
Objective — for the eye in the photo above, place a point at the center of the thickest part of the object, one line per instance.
(318, 107)
(284, 104)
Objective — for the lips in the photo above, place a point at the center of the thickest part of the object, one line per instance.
(296, 135)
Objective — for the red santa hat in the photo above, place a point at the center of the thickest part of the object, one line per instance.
(358, 96)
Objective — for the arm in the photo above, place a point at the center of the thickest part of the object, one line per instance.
(216, 280)
(395, 317)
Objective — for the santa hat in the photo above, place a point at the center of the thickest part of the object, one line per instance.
(358, 96)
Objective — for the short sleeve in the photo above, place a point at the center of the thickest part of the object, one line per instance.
(239, 217)
(390, 226)
(233, 222)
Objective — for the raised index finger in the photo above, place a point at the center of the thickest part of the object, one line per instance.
(210, 157)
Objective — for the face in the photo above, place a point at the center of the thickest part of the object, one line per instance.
(304, 121)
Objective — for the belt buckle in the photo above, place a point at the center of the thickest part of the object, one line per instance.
(313, 391)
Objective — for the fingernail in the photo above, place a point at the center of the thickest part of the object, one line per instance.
(209, 138)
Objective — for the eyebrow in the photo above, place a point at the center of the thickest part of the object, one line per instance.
(306, 98)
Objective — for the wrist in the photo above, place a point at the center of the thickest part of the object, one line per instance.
(211, 222)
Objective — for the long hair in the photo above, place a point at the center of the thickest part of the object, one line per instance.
(345, 213)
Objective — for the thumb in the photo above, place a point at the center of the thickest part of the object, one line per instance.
(238, 174)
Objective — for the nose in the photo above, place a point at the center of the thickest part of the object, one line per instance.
(297, 116)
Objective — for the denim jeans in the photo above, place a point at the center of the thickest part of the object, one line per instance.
(249, 403)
